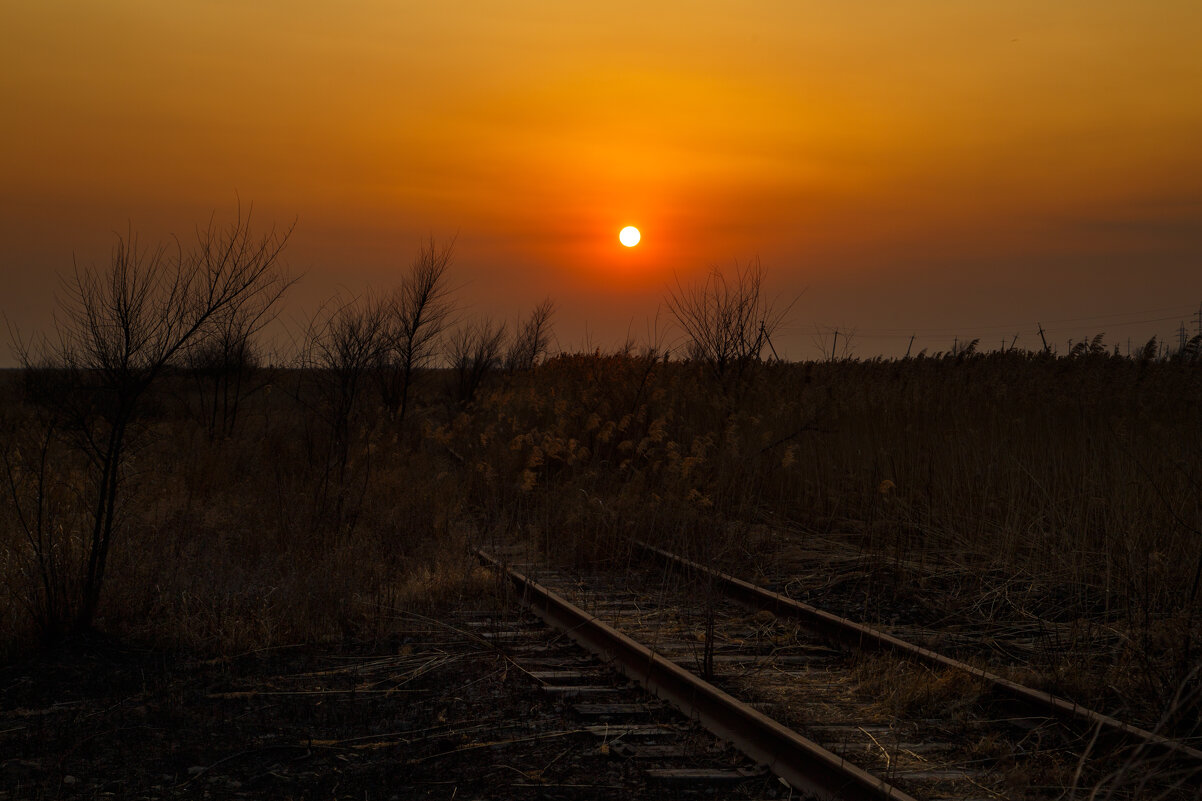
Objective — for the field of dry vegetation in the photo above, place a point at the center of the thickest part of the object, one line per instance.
(1049, 505)
(1061, 496)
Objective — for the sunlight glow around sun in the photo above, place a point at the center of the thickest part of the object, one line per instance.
(630, 236)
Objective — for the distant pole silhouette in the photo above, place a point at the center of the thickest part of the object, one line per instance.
(768, 339)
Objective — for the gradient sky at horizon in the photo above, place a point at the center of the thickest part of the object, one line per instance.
(942, 168)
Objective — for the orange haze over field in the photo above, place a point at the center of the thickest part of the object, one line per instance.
(942, 168)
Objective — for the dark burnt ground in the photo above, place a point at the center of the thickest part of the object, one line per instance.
(434, 714)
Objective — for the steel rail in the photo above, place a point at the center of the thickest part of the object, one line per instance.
(857, 635)
(805, 765)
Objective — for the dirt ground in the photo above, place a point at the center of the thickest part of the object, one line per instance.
(427, 715)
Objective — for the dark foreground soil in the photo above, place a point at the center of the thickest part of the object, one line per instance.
(433, 714)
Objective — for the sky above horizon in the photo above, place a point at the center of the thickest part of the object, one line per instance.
(933, 168)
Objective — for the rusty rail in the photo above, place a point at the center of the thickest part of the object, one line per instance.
(805, 765)
(857, 635)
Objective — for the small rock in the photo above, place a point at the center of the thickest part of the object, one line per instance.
(68, 779)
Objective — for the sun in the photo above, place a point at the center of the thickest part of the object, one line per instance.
(630, 236)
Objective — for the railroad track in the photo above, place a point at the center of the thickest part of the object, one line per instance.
(619, 741)
(840, 710)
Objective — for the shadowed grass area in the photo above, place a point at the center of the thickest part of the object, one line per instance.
(1049, 501)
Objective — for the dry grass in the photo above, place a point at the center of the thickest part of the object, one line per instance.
(914, 692)
(1049, 504)
(227, 546)
(1056, 500)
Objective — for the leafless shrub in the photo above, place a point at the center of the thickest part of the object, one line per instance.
(224, 356)
(532, 340)
(474, 350)
(728, 322)
(223, 363)
(344, 343)
(219, 363)
(417, 315)
(118, 329)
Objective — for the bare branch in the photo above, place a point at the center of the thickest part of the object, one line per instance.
(474, 351)
(728, 324)
(533, 338)
(419, 313)
(119, 327)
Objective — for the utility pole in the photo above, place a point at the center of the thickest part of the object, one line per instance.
(768, 339)
(1181, 339)
(912, 344)
(1046, 349)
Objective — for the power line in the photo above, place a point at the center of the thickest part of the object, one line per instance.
(1133, 322)
(906, 333)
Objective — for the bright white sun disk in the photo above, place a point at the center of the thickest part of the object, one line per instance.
(630, 236)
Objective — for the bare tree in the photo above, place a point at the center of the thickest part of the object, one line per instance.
(474, 350)
(532, 340)
(118, 329)
(728, 323)
(419, 313)
(222, 365)
(345, 341)
(223, 357)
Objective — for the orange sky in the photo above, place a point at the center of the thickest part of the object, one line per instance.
(957, 169)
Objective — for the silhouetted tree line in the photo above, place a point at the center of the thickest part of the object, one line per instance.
(196, 310)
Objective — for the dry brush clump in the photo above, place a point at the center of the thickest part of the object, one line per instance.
(222, 548)
(728, 322)
(288, 513)
(584, 452)
(120, 328)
